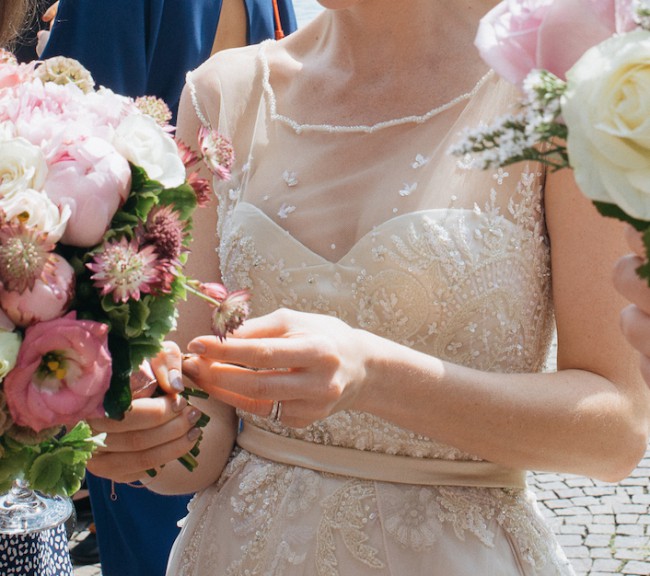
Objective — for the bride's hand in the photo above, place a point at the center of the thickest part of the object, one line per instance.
(154, 431)
(313, 364)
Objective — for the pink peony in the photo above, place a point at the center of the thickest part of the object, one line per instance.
(518, 36)
(92, 179)
(48, 299)
(5, 323)
(62, 372)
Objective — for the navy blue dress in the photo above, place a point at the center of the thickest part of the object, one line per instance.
(145, 47)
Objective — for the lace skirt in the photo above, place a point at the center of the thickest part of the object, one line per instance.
(265, 518)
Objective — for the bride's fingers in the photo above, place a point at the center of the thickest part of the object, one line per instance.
(265, 353)
(215, 377)
(272, 325)
(251, 405)
(146, 413)
(139, 440)
(635, 325)
(132, 466)
(167, 367)
(628, 283)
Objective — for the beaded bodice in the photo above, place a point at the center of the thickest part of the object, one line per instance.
(383, 229)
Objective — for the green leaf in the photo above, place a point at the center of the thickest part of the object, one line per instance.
(182, 199)
(162, 316)
(117, 399)
(45, 473)
(613, 211)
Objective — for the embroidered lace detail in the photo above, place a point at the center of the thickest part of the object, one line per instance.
(412, 517)
(347, 512)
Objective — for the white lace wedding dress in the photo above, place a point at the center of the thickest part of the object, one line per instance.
(379, 226)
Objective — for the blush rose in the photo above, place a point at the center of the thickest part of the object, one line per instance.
(62, 372)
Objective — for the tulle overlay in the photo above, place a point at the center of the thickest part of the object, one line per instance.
(447, 260)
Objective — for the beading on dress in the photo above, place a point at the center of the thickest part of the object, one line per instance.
(369, 129)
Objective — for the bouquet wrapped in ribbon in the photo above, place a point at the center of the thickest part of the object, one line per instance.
(584, 68)
(95, 213)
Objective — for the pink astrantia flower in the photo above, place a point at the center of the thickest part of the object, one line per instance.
(230, 309)
(24, 254)
(49, 298)
(156, 108)
(62, 372)
(218, 153)
(189, 157)
(125, 270)
(202, 189)
(165, 230)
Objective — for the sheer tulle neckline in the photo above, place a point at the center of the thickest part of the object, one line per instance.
(333, 128)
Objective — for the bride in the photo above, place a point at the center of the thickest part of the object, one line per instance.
(390, 390)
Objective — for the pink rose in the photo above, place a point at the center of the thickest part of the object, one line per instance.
(62, 372)
(48, 299)
(92, 179)
(518, 36)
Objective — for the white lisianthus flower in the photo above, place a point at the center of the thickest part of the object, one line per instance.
(35, 210)
(9, 346)
(143, 143)
(607, 111)
(22, 166)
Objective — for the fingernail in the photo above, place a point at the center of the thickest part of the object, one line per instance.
(193, 434)
(194, 415)
(196, 347)
(178, 404)
(176, 380)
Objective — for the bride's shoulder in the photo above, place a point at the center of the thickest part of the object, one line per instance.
(235, 65)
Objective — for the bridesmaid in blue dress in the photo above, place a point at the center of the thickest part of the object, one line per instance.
(145, 47)
(138, 47)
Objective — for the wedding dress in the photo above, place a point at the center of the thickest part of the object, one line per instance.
(382, 228)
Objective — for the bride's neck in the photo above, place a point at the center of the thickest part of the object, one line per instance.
(370, 33)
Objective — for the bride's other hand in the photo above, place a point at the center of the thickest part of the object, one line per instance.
(635, 318)
(314, 364)
(154, 431)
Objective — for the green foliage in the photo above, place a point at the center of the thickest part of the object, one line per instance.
(55, 466)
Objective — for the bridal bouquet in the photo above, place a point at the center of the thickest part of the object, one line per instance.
(584, 68)
(95, 212)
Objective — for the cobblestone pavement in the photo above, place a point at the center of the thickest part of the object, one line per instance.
(603, 528)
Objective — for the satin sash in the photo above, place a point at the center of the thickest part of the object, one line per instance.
(376, 465)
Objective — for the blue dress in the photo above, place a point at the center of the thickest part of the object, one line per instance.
(145, 47)
(138, 47)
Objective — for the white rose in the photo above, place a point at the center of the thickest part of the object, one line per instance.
(7, 131)
(9, 346)
(607, 111)
(22, 166)
(36, 210)
(143, 143)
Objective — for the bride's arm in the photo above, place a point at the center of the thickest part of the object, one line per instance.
(156, 431)
(591, 417)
